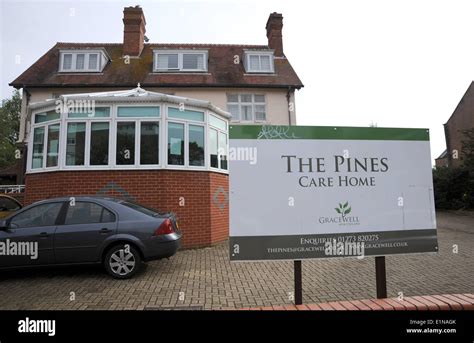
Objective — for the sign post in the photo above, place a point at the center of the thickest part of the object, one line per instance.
(304, 192)
(380, 277)
(298, 283)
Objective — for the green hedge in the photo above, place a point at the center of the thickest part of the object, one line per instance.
(453, 188)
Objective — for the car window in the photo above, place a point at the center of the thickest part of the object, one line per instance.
(88, 212)
(41, 215)
(7, 204)
(140, 208)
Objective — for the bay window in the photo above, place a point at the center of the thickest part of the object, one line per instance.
(128, 136)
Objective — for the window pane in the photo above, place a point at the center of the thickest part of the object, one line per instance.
(176, 144)
(259, 98)
(167, 61)
(219, 123)
(99, 149)
(80, 61)
(213, 148)
(145, 111)
(223, 150)
(196, 145)
(246, 97)
(76, 143)
(186, 114)
(265, 63)
(41, 215)
(46, 116)
(232, 98)
(87, 213)
(234, 111)
(93, 59)
(149, 143)
(246, 111)
(38, 148)
(94, 112)
(260, 112)
(254, 62)
(67, 61)
(53, 146)
(125, 143)
(193, 61)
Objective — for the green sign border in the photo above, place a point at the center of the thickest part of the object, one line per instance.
(327, 132)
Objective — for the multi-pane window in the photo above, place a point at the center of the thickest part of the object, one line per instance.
(128, 136)
(167, 60)
(259, 62)
(45, 152)
(82, 61)
(247, 107)
(137, 135)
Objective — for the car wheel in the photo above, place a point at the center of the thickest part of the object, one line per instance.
(122, 261)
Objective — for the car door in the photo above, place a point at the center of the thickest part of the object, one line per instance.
(28, 238)
(86, 226)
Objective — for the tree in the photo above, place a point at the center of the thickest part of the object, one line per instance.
(454, 187)
(9, 129)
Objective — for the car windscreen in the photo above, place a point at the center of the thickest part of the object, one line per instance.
(140, 208)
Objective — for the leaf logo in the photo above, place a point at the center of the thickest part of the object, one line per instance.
(343, 209)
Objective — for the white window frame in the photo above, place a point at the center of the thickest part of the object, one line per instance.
(186, 123)
(112, 120)
(180, 54)
(239, 103)
(137, 121)
(101, 61)
(45, 125)
(247, 55)
(226, 132)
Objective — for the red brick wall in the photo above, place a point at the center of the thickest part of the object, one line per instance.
(202, 221)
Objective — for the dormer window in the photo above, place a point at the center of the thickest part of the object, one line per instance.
(180, 61)
(259, 62)
(82, 61)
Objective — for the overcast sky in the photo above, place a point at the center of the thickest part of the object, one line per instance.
(394, 63)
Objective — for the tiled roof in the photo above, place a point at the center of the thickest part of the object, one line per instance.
(222, 71)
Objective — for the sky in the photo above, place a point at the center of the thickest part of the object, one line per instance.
(389, 63)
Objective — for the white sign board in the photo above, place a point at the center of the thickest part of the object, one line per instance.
(306, 192)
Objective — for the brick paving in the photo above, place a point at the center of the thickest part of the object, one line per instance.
(205, 279)
(443, 302)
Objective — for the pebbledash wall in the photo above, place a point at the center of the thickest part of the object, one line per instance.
(199, 198)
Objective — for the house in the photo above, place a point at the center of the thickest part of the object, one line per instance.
(150, 121)
(461, 119)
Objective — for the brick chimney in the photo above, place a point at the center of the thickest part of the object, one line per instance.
(274, 28)
(133, 31)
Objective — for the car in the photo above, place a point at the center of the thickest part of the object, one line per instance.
(8, 205)
(118, 233)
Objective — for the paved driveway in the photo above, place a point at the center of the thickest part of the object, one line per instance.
(204, 278)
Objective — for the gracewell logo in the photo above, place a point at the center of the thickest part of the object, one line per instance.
(343, 218)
